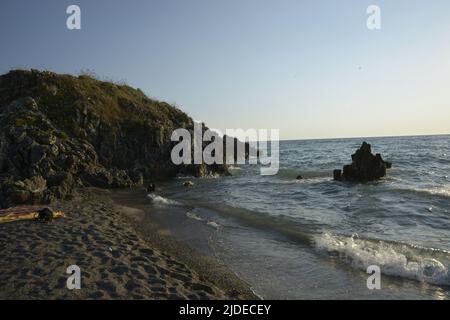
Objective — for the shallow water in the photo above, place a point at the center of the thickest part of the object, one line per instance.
(315, 238)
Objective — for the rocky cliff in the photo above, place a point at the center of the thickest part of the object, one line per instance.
(59, 132)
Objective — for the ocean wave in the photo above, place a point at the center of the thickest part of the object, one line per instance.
(213, 224)
(394, 259)
(158, 200)
(283, 225)
(443, 192)
(194, 216)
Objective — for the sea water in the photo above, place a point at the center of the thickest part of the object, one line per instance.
(314, 238)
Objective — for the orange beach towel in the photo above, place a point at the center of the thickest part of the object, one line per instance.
(24, 213)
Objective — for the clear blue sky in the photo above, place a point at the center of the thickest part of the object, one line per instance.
(310, 68)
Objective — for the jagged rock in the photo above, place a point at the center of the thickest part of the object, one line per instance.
(23, 191)
(137, 178)
(62, 185)
(337, 174)
(17, 134)
(151, 188)
(46, 139)
(364, 167)
(120, 179)
(188, 184)
(100, 179)
(78, 131)
(37, 153)
(237, 144)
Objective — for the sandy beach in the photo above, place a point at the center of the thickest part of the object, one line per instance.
(120, 257)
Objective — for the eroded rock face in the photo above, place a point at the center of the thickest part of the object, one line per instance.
(31, 190)
(59, 132)
(365, 166)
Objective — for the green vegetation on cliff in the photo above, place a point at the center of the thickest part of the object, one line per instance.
(59, 132)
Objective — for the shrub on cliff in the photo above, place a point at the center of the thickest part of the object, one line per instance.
(59, 132)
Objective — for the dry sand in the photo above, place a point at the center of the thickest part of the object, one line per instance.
(121, 256)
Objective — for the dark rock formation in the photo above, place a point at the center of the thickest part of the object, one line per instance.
(337, 174)
(60, 132)
(299, 177)
(245, 146)
(188, 184)
(364, 167)
(45, 215)
(151, 188)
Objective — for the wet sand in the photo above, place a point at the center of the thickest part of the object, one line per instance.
(121, 256)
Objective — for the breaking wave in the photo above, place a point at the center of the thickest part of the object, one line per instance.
(394, 259)
(194, 216)
(443, 192)
(158, 200)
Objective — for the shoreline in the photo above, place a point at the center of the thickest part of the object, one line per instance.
(204, 264)
(120, 254)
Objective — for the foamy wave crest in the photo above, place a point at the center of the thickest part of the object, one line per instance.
(394, 259)
(213, 224)
(434, 191)
(445, 192)
(194, 216)
(158, 200)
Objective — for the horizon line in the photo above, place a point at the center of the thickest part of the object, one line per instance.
(363, 137)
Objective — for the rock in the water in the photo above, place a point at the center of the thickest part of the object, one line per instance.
(299, 177)
(364, 167)
(188, 184)
(337, 174)
(151, 188)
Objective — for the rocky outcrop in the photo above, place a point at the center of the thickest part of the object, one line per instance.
(237, 145)
(60, 132)
(188, 184)
(151, 188)
(364, 167)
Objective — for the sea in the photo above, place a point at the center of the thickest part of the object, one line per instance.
(315, 238)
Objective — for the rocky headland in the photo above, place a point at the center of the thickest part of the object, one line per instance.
(68, 141)
(62, 132)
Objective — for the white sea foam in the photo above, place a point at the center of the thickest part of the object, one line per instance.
(435, 191)
(158, 200)
(194, 216)
(213, 224)
(394, 259)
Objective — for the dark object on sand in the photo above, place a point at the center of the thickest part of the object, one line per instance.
(299, 177)
(45, 215)
(151, 188)
(364, 167)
